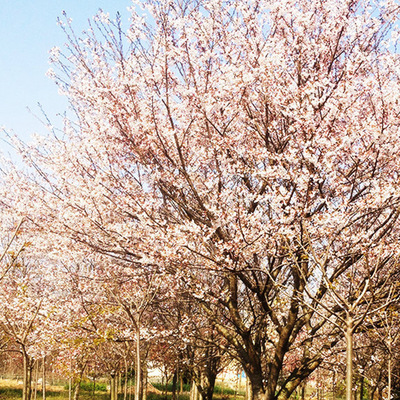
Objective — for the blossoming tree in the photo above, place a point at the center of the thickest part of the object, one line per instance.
(238, 147)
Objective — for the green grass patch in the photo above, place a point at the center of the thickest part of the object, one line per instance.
(161, 387)
(10, 393)
(155, 396)
(224, 390)
(87, 386)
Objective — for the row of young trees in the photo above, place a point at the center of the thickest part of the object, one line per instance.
(81, 323)
(227, 190)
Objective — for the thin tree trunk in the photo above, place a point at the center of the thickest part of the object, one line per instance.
(138, 364)
(44, 379)
(193, 391)
(174, 385)
(145, 381)
(113, 384)
(372, 392)
(164, 386)
(349, 356)
(362, 388)
(126, 379)
(77, 389)
(389, 394)
(30, 370)
(36, 377)
(27, 378)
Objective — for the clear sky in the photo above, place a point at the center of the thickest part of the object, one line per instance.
(28, 30)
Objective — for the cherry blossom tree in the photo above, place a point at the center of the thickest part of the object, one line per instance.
(194, 343)
(364, 292)
(385, 332)
(26, 313)
(239, 147)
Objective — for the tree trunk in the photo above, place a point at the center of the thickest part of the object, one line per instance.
(194, 392)
(349, 356)
(36, 378)
(207, 383)
(164, 386)
(362, 388)
(144, 381)
(77, 389)
(27, 378)
(174, 385)
(258, 393)
(372, 392)
(138, 364)
(389, 391)
(44, 378)
(126, 379)
(113, 386)
(249, 393)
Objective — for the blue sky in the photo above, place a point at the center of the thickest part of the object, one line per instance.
(28, 30)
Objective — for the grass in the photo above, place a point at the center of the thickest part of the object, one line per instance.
(12, 390)
(88, 387)
(218, 390)
(161, 387)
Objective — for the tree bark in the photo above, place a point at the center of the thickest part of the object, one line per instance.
(44, 378)
(249, 394)
(77, 389)
(144, 381)
(138, 363)
(194, 392)
(78, 381)
(126, 379)
(372, 392)
(204, 382)
(27, 378)
(174, 385)
(349, 356)
(36, 378)
(389, 394)
(362, 388)
(113, 386)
